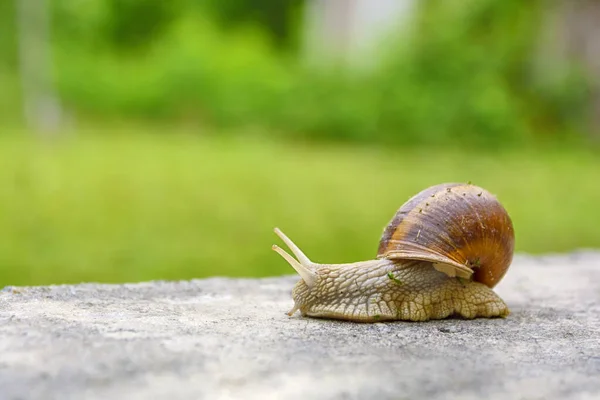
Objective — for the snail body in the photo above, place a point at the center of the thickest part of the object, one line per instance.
(441, 255)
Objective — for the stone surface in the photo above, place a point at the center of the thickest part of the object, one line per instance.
(230, 339)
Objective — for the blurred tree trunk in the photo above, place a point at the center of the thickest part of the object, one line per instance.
(349, 30)
(580, 29)
(40, 103)
(327, 27)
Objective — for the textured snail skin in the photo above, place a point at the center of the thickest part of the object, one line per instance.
(386, 290)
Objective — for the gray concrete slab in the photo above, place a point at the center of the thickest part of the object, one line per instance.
(230, 339)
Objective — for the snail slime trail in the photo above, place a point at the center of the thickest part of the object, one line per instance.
(441, 255)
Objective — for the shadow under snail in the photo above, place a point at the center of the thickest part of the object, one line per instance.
(440, 256)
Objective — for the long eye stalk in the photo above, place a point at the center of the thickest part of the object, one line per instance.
(303, 266)
(295, 249)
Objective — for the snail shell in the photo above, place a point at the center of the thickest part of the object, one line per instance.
(461, 228)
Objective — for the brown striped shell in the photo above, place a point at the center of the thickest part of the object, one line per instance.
(461, 228)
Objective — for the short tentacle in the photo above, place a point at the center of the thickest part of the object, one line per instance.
(307, 275)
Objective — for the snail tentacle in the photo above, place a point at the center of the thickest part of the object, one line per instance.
(308, 276)
(302, 258)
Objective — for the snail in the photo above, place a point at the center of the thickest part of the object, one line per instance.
(440, 256)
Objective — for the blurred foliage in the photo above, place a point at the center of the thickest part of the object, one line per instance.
(115, 206)
(278, 17)
(8, 35)
(463, 74)
(467, 77)
(133, 23)
(118, 205)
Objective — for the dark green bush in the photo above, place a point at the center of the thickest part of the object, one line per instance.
(465, 75)
(461, 75)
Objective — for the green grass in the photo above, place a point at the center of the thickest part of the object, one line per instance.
(131, 207)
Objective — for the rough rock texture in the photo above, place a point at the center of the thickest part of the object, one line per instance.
(230, 339)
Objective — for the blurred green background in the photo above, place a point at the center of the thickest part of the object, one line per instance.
(152, 139)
